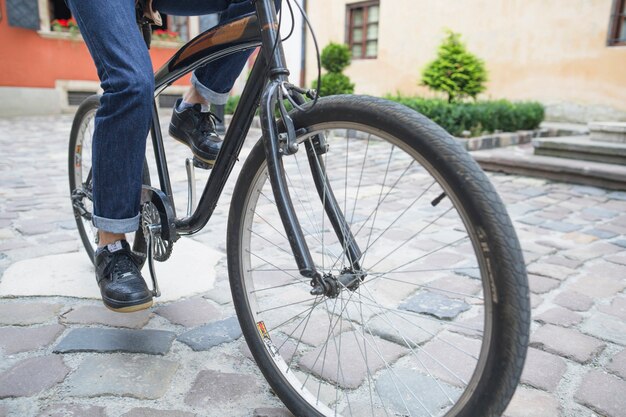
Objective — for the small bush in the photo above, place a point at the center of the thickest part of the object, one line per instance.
(477, 117)
(335, 57)
(231, 104)
(335, 83)
(455, 72)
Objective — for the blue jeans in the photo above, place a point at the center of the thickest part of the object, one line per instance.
(123, 120)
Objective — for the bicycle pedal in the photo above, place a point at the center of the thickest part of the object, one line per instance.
(201, 164)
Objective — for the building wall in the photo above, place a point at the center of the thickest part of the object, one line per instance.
(552, 51)
(37, 68)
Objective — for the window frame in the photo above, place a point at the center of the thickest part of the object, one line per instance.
(617, 22)
(350, 8)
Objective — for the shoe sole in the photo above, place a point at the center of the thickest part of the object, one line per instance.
(128, 309)
(194, 150)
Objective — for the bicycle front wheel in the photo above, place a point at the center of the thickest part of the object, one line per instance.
(437, 323)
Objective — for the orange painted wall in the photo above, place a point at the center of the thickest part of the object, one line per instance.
(29, 60)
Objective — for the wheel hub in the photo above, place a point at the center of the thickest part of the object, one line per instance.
(331, 285)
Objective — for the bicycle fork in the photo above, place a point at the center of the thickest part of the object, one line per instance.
(323, 284)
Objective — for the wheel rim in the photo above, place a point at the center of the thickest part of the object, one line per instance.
(82, 175)
(393, 345)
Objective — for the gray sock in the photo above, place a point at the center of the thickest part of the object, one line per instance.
(184, 105)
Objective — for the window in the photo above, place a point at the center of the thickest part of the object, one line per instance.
(363, 29)
(617, 29)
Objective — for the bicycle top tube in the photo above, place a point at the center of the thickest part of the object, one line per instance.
(225, 39)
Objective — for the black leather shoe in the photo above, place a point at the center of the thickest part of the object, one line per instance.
(122, 287)
(196, 129)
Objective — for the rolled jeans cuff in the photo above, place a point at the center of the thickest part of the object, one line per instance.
(117, 225)
(208, 94)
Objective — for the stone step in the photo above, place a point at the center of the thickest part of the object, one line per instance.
(608, 131)
(521, 160)
(582, 148)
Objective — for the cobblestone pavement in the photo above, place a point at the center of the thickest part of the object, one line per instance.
(62, 356)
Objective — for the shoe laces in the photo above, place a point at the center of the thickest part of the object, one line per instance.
(123, 264)
(207, 123)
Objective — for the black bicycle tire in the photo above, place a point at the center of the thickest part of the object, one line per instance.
(511, 316)
(90, 104)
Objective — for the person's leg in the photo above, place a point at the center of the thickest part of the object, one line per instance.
(121, 127)
(123, 119)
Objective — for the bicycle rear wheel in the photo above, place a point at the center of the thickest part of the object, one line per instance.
(438, 326)
(79, 169)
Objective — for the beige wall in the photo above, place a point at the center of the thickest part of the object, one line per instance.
(553, 51)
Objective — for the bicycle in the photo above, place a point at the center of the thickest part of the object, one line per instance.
(394, 283)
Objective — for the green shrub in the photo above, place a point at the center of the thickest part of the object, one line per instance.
(335, 83)
(455, 72)
(477, 117)
(335, 58)
(231, 104)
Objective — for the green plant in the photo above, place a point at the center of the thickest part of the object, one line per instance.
(335, 83)
(231, 104)
(477, 117)
(335, 58)
(455, 72)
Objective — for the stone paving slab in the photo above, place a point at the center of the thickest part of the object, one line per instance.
(16, 313)
(153, 342)
(604, 393)
(141, 377)
(19, 339)
(73, 410)
(151, 412)
(618, 364)
(32, 376)
(567, 343)
(214, 388)
(99, 314)
(212, 334)
(190, 313)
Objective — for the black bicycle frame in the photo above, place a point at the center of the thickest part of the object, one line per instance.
(268, 74)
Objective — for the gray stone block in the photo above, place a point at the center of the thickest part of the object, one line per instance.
(102, 315)
(271, 412)
(559, 316)
(618, 364)
(567, 343)
(151, 412)
(190, 313)
(606, 327)
(532, 403)
(542, 285)
(408, 392)
(617, 307)
(574, 301)
(602, 393)
(154, 342)
(543, 370)
(214, 388)
(347, 366)
(142, 377)
(15, 313)
(32, 376)
(212, 334)
(73, 410)
(437, 305)
(22, 339)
